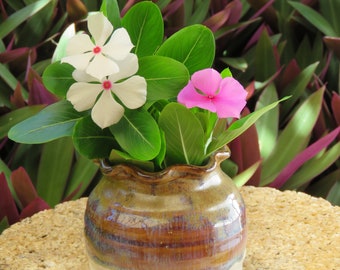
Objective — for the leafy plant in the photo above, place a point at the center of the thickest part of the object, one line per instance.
(275, 48)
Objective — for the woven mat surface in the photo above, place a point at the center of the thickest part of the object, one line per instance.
(286, 230)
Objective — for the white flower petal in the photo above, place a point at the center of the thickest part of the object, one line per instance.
(127, 68)
(101, 66)
(79, 61)
(79, 43)
(132, 92)
(106, 111)
(119, 45)
(83, 95)
(82, 76)
(99, 27)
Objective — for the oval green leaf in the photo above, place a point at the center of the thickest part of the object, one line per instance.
(165, 77)
(144, 23)
(194, 46)
(138, 134)
(92, 141)
(53, 122)
(57, 78)
(184, 135)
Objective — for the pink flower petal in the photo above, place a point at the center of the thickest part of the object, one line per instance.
(232, 89)
(229, 108)
(207, 80)
(227, 100)
(99, 27)
(231, 99)
(191, 98)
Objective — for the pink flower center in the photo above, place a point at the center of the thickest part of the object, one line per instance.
(211, 96)
(97, 50)
(107, 85)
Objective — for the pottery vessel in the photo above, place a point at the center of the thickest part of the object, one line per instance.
(185, 217)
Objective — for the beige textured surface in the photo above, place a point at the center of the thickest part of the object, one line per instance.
(287, 230)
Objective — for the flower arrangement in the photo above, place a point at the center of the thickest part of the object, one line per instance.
(129, 95)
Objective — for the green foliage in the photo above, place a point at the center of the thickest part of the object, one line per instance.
(193, 46)
(184, 135)
(274, 51)
(53, 122)
(165, 84)
(144, 23)
(138, 134)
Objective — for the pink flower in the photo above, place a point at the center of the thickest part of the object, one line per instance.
(207, 90)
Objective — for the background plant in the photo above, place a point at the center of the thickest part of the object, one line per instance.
(275, 48)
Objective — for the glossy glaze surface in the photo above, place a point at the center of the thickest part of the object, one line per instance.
(186, 217)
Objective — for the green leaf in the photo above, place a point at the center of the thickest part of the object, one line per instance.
(334, 194)
(144, 23)
(4, 224)
(243, 177)
(10, 79)
(329, 10)
(297, 88)
(293, 138)
(53, 122)
(226, 73)
(196, 11)
(20, 16)
(138, 134)
(82, 174)
(194, 46)
(314, 18)
(313, 168)
(110, 9)
(268, 125)
(239, 126)
(60, 50)
(165, 77)
(118, 157)
(36, 27)
(239, 63)
(54, 168)
(57, 78)
(12, 118)
(184, 135)
(92, 141)
(264, 58)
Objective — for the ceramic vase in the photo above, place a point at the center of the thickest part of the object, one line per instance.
(185, 217)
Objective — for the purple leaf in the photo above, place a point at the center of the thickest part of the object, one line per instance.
(302, 157)
(17, 99)
(11, 55)
(171, 8)
(7, 205)
(245, 151)
(336, 107)
(38, 93)
(23, 186)
(34, 207)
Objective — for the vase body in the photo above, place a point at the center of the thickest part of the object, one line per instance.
(185, 217)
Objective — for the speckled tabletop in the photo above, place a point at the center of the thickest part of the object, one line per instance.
(286, 230)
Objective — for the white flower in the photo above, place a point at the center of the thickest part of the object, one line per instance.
(98, 57)
(89, 92)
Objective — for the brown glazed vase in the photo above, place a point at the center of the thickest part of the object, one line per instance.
(185, 217)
